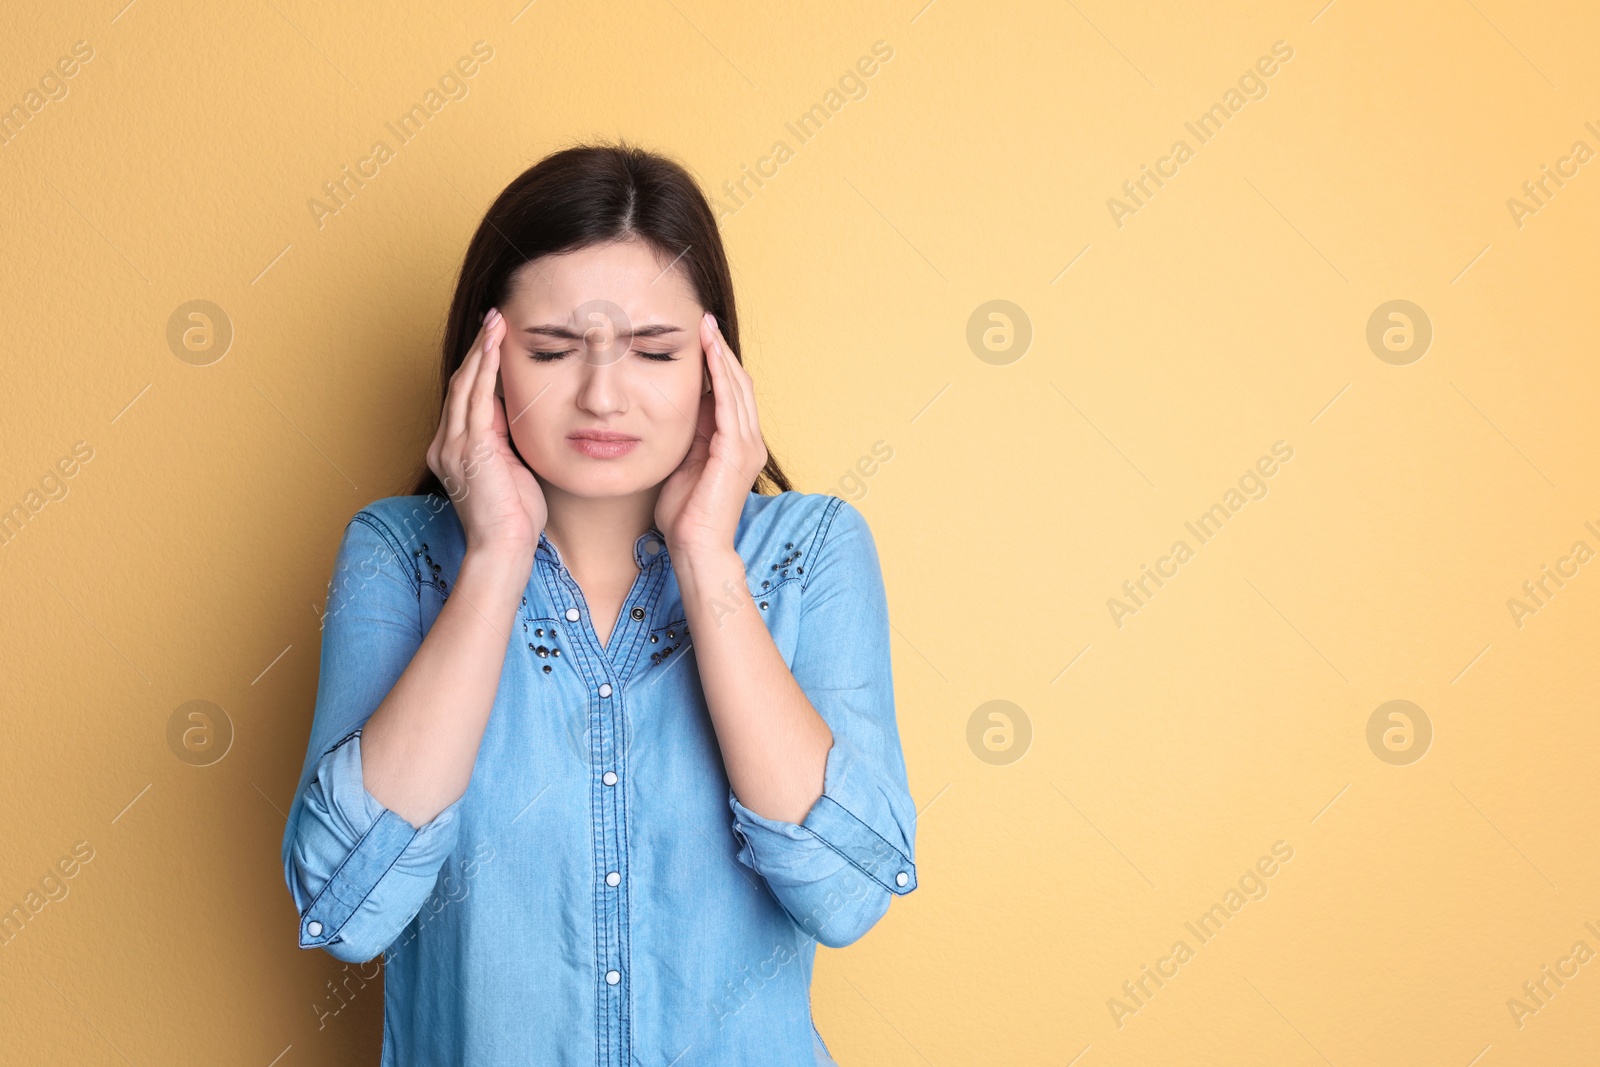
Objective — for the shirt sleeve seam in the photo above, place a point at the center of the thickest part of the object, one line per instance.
(381, 528)
(333, 934)
(868, 828)
(853, 863)
(824, 526)
(341, 742)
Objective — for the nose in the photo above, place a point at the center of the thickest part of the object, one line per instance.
(601, 388)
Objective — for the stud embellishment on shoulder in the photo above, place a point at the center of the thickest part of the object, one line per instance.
(547, 668)
(763, 605)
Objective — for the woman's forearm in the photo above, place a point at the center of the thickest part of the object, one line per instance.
(420, 745)
(774, 744)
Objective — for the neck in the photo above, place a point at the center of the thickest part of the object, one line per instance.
(594, 533)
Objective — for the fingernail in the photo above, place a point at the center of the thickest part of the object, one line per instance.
(486, 315)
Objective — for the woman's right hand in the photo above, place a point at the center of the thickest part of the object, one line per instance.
(496, 496)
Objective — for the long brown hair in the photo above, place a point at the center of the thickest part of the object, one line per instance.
(580, 196)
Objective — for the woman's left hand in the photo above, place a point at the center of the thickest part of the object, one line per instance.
(701, 501)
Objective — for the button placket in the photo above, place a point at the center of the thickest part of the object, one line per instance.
(608, 805)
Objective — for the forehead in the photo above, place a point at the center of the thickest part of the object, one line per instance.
(629, 274)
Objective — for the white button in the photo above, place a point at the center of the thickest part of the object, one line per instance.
(612, 978)
(613, 878)
(652, 546)
(605, 689)
(902, 878)
(572, 614)
(314, 928)
(609, 778)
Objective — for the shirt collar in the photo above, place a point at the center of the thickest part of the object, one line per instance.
(648, 549)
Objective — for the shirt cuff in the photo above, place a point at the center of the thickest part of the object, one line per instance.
(359, 860)
(833, 835)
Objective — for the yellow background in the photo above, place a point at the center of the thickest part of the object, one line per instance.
(190, 557)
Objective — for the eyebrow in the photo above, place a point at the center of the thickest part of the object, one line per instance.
(555, 330)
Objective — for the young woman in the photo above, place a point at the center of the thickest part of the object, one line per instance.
(604, 740)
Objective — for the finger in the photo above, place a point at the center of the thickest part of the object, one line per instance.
(461, 382)
(736, 387)
(480, 410)
(727, 416)
(442, 432)
(700, 445)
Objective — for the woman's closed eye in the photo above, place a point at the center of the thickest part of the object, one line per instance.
(551, 357)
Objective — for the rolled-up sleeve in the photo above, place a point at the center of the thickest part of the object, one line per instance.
(837, 870)
(357, 871)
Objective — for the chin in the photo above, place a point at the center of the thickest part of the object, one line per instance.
(601, 478)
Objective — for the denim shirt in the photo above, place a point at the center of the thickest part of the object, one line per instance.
(599, 895)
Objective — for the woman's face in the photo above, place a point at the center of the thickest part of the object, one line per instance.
(602, 342)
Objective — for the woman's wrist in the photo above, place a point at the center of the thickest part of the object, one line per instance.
(692, 561)
(502, 563)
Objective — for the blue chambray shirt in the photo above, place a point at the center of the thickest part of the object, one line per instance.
(598, 895)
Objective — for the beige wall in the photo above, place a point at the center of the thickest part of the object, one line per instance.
(1166, 751)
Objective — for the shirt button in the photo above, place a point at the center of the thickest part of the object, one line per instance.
(613, 878)
(605, 689)
(609, 778)
(314, 928)
(572, 614)
(638, 614)
(902, 878)
(613, 977)
(652, 546)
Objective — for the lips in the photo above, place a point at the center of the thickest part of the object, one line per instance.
(602, 444)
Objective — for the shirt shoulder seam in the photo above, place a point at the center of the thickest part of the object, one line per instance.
(830, 511)
(381, 528)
